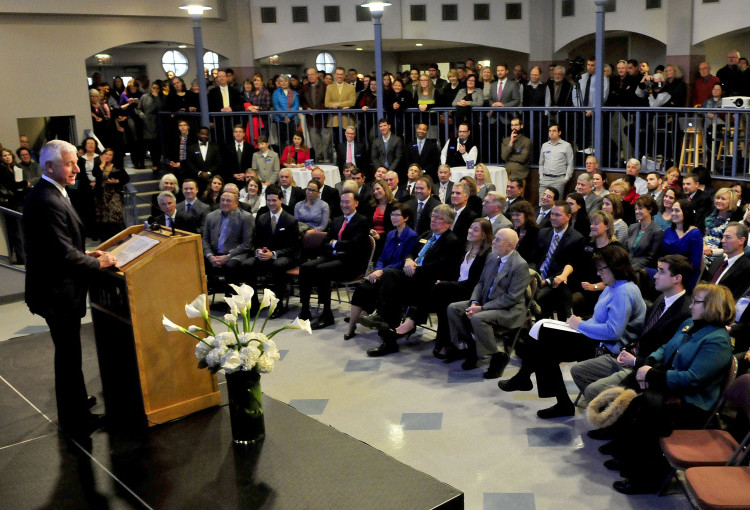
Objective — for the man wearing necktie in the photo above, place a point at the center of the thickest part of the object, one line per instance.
(238, 157)
(227, 238)
(171, 217)
(58, 270)
(224, 98)
(424, 152)
(203, 160)
(732, 267)
(436, 256)
(497, 300)
(346, 253)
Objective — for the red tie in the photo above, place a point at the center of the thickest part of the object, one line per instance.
(349, 151)
(721, 269)
(341, 231)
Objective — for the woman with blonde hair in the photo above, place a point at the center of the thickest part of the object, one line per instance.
(483, 180)
(725, 203)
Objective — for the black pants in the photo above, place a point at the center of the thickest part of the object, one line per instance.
(544, 356)
(398, 290)
(440, 296)
(321, 272)
(70, 388)
(276, 269)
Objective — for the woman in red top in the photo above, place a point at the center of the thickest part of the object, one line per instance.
(379, 213)
(294, 155)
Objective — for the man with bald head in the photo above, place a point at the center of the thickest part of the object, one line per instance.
(497, 300)
(704, 84)
(328, 194)
(290, 194)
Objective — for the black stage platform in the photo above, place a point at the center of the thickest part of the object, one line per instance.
(190, 463)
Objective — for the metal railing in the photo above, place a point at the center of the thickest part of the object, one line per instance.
(682, 137)
(12, 237)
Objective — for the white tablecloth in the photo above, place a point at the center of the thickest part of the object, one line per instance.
(302, 176)
(497, 173)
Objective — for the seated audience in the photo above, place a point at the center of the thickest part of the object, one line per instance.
(276, 241)
(378, 213)
(683, 379)
(346, 253)
(435, 257)
(492, 209)
(253, 195)
(312, 212)
(290, 192)
(645, 236)
(483, 180)
(442, 189)
(227, 238)
(546, 201)
(725, 203)
(612, 204)
(579, 215)
(168, 182)
(525, 227)
(170, 217)
(295, 155)
(497, 299)
(732, 268)
(465, 215)
(664, 218)
(585, 186)
(600, 184)
(422, 205)
(212, 195)
(328, 194)
(684, 238)
(195, 210)
(399, 243)
(618, 316)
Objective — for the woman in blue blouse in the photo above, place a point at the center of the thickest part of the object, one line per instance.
(684, 238)
(683, 378)
(618, 318)
(398, 245)
(284, 99)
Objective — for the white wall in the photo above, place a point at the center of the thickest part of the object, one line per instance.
(53, 49)
(710, 20)
(631, 16)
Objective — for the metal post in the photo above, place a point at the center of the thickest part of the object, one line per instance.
(378, 61)
(598, 128)
(202, 93)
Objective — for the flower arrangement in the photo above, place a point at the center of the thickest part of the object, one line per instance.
(241, 348)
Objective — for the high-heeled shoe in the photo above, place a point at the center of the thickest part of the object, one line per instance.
(391, 335)
(350, 334)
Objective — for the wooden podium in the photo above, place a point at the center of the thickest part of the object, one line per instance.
(151, 376)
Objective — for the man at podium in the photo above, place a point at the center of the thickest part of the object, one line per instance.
(57, 273)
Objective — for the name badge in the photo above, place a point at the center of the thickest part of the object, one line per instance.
(268, 160)
(423, 241)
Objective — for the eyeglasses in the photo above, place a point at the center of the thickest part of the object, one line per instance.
(599, 269)
(697, 301)
(312, 190)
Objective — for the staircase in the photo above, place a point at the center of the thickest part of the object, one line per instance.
(142, 187)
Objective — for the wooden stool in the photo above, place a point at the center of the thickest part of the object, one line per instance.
(692, 146)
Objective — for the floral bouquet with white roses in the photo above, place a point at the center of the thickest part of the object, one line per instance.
(241, 348)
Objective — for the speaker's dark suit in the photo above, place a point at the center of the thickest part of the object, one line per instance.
(361, 158)
(428, 160)
(344, 261)
(423, 225)
(197, 213)
(283, 241)
(568, 252)
(203, 170)
(233, 164)
(463, 222)
(736, 278)
(441, 262)
(57, 277)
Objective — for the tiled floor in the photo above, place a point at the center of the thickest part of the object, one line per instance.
(437, 418)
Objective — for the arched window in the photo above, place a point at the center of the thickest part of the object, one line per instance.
(210, 60)
(325, 62)
(174, 61)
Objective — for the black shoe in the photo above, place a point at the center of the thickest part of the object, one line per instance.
(279, 312)
(304, 314)
(609, 448)
(470, 363)
(557, 411)
(325, 320)
(454, 354)
(391, 335)
(383, 349)
(350, 334)
(604, 434)
(498, 362)
(515, 384)
(439, 355)
(95, 422)
(613, 464)
(90, 401)
(631, 486)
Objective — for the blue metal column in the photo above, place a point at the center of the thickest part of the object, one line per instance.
(378, 61)
(202, 93)
(598, 128)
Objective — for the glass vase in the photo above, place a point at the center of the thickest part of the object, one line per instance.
(246, 407)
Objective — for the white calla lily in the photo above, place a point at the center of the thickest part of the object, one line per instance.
(233, 309)
(268, 297)
(197, 308)
(171, 326)
(244, 290)
(231, 319)
(301, 324)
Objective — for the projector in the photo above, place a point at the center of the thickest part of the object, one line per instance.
(736, 102)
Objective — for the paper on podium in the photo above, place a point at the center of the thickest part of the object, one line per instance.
(133, 248)
(549, 323)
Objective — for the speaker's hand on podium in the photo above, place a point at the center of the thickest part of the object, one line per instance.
(105, 259)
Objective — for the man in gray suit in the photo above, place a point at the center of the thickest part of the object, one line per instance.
(504, 92)
(497, 300)
(585, 186)
(195, 210)
(387, 149)
(227, 238)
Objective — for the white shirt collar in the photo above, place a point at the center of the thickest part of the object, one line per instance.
(671, 299)
(59, 187)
